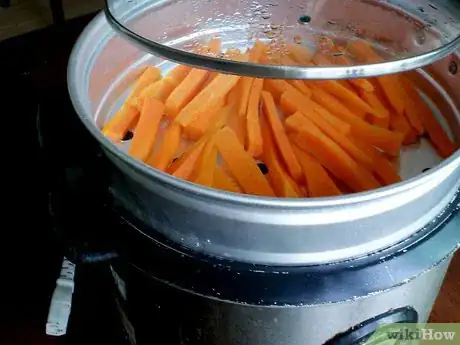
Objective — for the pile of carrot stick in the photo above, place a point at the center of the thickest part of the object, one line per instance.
(312, 138)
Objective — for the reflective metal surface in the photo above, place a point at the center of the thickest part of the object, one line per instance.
(256, 229)
(411, 34)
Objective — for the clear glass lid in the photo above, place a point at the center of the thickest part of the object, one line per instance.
(329, 38)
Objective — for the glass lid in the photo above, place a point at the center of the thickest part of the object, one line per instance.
(305, 39)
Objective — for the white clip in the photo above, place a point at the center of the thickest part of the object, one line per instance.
(61, 302)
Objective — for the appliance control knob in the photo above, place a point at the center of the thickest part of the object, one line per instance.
(361, 333)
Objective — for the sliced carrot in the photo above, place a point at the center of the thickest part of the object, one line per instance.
(245, 89)
(381, 122)
(385, 140)
(200, 125)
(168, 148)
(148, 77)
(184, 165)
(117, 127)
(401, 125)
(390, 83)
(280, 136)
(224, 182)
(319, 183)
(209, 96)
(342, 140)
(299, 53)
(373, 100)
(300, 85)
(309, 137)
(276, 87)
(160, 90)
(282, 183)
(436, 133)
(178, 74)
(146, 129)
(254, 137)
(292, 101)
(345, 95)
(204, 170)
(241, 165)
(257, 51)
(185, 92)
(382, 167)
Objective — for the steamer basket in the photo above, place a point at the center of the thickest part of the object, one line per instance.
(412, 33)
(102, 68)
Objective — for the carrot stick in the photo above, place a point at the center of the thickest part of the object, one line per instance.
(390, 83)
(383, 168)
(204, 170)
(254, 137)
(257, 51)
(168, 148)
(319, 183)
(373, 100)
(299, 53)
(224, 182)
(148, 77)
(400, 124)
(342, 140)
(241, 165)
(381, 122)
(293, 101)
(185, 92)
(209, 96)
(145, 135)
(245, 85)
(385, 140)
(439, 138)
(184, 165)
(237, 121)
(283, 185)
(309, 137)
(276, 87)
(345, 95)
(280, 137)
(199, 126)
(117, 127)
(321, 60)
(160, 90)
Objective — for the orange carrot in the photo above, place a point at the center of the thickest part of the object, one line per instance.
(385, 140)
(240, 163)
(199, 126)
(160, 90)
(292, 101)
(309, 137)
(341, 140)
(257, 51)
(276, 87)
(254, 137)
(319, 183)
(346, 96)
(185, 92)
(224, 182)
(245, 89)
(436, 133)
(120, 123)
(382, 167)
(400, 124)
(203, 172)
(145, 135)
(381, 122)
(282, 183)
(148, 77)
(299, 53)
(209, 96)
(184, 165)
(280, 136)
(390, 83)
(168, 148)
(373, 100)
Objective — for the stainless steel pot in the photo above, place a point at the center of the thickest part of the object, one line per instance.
(255, 229)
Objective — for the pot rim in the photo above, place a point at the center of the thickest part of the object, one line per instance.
(223, 196)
